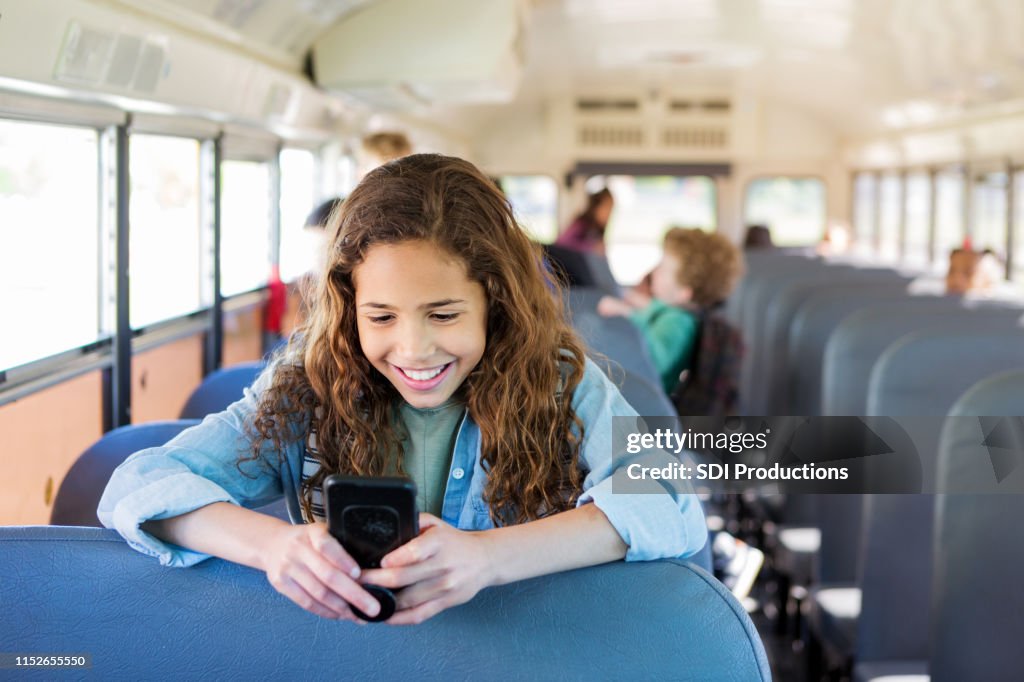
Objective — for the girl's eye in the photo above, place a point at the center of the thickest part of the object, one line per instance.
(444, 317)
(381, 319)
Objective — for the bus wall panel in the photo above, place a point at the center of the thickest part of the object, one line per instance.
(164, 377)
(43, 435)
(243, 336)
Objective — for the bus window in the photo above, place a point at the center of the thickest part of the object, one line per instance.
(988, 208)
(890, 210)
(298, 190)
(534, 199)
(50, 239)
(917, 192)
(165, 229)
(793, 208)
(245, 220)
(645, 208)
(865, 191)
(949, 216)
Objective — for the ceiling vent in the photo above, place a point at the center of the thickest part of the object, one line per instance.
(597, 105)
(416, 48)
(700, 106)
(92, 56)
(695, 137)
(610, 136)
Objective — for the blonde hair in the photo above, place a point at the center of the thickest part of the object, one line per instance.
(710, 264)
(387, 146)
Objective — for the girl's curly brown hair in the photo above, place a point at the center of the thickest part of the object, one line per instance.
(519, 394)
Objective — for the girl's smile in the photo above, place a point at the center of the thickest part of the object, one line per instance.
(422, 322)
(424, 379)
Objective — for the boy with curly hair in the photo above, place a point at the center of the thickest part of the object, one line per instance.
(697, 272)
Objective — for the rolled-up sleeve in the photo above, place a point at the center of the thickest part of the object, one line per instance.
(198, 467)
(653, 525)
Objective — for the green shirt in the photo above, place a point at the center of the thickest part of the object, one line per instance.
(428, 449)
(670, 333)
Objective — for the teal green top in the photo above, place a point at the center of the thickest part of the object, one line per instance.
(428, 449)
(671, 333)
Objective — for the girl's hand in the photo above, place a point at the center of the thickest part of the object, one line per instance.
(441, 568)
(609, 306)
(307, 565)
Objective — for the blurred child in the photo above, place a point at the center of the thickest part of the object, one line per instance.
(972, 271)
(697, 272)
(379, 148)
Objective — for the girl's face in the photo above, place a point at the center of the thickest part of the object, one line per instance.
(422, 322)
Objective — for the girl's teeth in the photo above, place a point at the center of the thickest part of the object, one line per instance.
(422, 375)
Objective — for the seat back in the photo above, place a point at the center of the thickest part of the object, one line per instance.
(774, 376)
(580, 269)
(220, 389)
(895, 580)
(619, 340)
(663, 619)
(924, 373)
(861, 338)
(82, 487)
(977, 604)
(813, 323)
(646, 397)
(840, 519)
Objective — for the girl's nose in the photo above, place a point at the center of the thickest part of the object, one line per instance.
(414, 342)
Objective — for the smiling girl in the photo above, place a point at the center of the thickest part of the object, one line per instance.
(435, 350)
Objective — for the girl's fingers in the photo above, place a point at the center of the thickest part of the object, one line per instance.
(300, 596)
(416, 550)
(400, 576)
(423, 592)
(331, 550)
(342, 585)
(417, 615)
(320, 593)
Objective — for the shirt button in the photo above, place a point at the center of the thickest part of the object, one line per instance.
(458, 473)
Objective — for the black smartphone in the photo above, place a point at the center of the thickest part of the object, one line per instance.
(370, 517)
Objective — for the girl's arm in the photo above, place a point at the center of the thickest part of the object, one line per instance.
(444, 566)
(304, 563)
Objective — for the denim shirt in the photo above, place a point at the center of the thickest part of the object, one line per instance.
(199, 467)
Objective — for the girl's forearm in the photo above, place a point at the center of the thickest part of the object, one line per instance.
(221, 529)
(572, 539)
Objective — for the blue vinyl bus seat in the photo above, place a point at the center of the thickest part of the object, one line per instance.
(618, 340)
(924, 373)
(646, 397)
(860, 339)
(977, 606)
(756, 262)
(812, 325)
(83, 590)
(773, 371)
(220, 389)
(895, 585)
(82, 487)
